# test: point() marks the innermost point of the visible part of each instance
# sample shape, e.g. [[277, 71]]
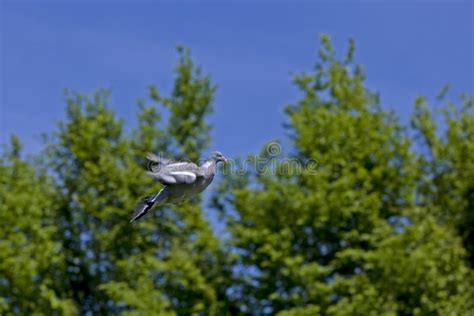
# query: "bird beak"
[[225, 159]]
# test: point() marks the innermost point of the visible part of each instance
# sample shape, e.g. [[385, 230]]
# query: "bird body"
[[181, 181]]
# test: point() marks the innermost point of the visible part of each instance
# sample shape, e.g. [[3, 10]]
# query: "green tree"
[[448, 188], [31, 263], [179, 265], [159, 265], [352, 237], [382, 224]]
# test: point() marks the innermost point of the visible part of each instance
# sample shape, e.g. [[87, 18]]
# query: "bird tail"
[[146, 204]]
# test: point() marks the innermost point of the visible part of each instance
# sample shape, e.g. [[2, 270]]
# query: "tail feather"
[[146, 204]]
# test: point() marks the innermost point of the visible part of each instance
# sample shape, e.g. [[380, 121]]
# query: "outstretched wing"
[[156, 162], [176, 173]]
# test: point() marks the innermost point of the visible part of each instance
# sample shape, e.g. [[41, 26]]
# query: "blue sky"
[[407, 48]]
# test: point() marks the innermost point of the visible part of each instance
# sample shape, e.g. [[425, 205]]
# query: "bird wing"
[[176, 173], [156, 162]]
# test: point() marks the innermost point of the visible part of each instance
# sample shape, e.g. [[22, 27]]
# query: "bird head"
[[218, 157]]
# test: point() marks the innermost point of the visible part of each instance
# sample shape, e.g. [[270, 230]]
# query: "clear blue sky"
[[249, 50]]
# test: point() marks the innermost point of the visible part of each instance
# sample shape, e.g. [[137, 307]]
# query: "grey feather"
[[156, 162], [176, 173]]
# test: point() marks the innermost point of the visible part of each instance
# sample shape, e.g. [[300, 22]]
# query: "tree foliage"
[[32, 265], [365, 234], [382, 226]]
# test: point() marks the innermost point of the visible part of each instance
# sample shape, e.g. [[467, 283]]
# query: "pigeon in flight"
[[181, 180]]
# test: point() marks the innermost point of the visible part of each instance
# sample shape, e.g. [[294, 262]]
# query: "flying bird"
[[181, 180]]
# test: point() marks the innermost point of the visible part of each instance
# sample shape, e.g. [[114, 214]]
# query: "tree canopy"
[[382, 225]]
